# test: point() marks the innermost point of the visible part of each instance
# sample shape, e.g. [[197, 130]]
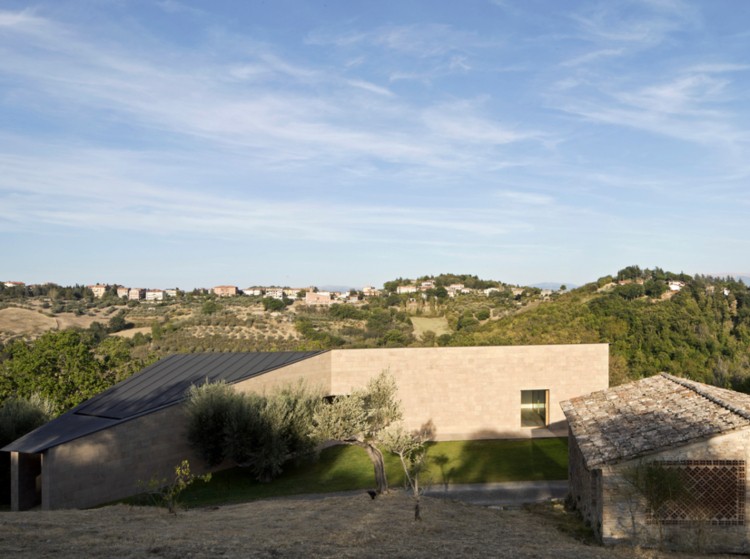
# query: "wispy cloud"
[[371, 87], [640, 23], [422, 40], [593, 56], [254, 109], [689, 107], [175, 7], [68, 192]]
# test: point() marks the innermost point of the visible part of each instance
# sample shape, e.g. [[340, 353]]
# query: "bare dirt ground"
[[334, 526]]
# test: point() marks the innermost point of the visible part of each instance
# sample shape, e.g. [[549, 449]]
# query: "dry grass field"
[[333, 526], [129, 333], [17, 322], [422, 324]]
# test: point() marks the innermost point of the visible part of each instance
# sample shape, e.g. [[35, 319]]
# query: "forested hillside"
[[654, 320], [701, 331]]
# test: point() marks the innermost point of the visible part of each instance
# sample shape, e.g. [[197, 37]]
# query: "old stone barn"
[[662, 461]]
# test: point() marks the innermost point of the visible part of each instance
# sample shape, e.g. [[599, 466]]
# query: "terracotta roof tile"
[[651, 414]]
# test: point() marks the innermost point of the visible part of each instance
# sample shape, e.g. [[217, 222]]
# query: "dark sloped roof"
[[163, 384], [650, 415]]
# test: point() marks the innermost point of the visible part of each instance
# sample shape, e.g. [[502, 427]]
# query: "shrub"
[[168, 493], [208, 407], [19, 416], [256, 432]]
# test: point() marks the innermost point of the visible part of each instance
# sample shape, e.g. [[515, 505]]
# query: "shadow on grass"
[[494, 461], [347, 468]]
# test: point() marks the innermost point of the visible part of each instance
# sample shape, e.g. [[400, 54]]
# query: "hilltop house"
[[99, 290], [318, 298], [99, 451], [700, 433], [225, 290], [136, 293], [154, 295]]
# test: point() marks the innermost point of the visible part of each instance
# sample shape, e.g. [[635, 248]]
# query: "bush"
[[483, 314], [208, 408], [270, 304], [260, 433], [168, 493], [18, 416]]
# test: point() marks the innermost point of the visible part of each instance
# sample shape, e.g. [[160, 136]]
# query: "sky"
[[163, 143]]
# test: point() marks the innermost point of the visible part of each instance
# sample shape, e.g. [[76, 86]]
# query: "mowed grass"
[[346, 468]]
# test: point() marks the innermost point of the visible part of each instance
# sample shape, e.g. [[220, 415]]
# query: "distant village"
[[310, 295]]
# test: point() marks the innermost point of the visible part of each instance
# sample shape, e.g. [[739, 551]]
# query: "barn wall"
[[625, 516], [585, 487]]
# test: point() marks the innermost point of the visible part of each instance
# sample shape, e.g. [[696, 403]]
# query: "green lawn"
[[343, 468]]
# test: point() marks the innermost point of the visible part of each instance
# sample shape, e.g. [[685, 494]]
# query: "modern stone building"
[[99, 451], [698, 434]]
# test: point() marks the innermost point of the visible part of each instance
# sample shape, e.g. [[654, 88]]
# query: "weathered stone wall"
[[625, 515], [585, 487], [108, 465]]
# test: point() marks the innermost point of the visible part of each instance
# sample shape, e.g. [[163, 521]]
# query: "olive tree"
[[411, 449], [360, 419]]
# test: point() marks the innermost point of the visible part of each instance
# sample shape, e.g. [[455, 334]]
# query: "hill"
[[654, 321], [701, 329]]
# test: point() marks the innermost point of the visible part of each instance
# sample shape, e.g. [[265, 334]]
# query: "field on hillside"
[[16, 322], [351, 525], [422, 324]]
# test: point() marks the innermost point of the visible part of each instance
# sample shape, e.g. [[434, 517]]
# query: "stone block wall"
[[108, 465], [314, 371], [475, 392]]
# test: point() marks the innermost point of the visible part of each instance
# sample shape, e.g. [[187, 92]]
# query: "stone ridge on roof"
[[649, 415]]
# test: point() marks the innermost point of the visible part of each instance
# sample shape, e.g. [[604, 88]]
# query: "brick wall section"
[[624, 515], [107, 465]]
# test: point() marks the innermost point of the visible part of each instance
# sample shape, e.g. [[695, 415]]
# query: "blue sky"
[[181, 143]]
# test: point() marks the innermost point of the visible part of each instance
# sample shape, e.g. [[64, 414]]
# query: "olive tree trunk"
[[376, 457]]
